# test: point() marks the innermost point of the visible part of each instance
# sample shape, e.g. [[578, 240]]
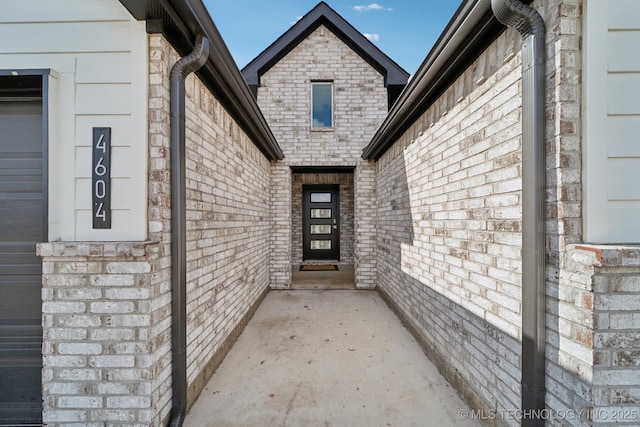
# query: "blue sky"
[[403, 29]]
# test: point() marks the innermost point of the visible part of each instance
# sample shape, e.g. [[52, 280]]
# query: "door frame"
[[334, 189]]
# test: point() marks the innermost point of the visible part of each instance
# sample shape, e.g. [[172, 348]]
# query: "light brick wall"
[[365, 225], [569, 294], [592, 327], [228, 233], [107, 306], [455, 272], [160, 59], [228, 217], [102, 354], [360, 102], [345, 181], [594, 375], [281, 223], [360, 106], [449, 221]]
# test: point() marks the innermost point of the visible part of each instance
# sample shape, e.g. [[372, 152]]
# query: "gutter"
[[531, 27], [469, 28], [181, 69], [221, 73]]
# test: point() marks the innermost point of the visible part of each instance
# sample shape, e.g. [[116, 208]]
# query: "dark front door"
[[320, 221], [22, 225]]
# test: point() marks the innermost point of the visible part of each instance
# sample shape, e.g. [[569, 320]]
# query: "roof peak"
[[322, 13]]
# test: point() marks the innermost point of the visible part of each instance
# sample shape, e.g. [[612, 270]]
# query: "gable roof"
[[395, 77]]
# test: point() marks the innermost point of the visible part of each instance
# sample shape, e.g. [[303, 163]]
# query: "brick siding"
[[281, 223], [360, 106], [592, 327], [102, 352], [365, 225], [228, 233], [594, 337], [449, 222], [107, 306]]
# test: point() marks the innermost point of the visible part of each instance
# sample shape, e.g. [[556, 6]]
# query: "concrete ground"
[[326, 358], [343, 278]]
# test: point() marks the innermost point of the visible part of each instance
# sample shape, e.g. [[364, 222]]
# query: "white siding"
[[612, 121], [98, 54]]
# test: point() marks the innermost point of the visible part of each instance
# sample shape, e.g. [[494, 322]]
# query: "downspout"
[[181, 69], [528, 22]]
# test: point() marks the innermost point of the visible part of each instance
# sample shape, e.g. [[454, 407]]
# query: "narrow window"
[[322, 105]]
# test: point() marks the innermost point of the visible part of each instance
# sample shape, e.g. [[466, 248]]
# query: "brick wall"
[[159, 194], [449, 222], [592, 326], [228, 218], [281, 226], [104, 359], [228, 233], [345, 181], [593, 376], [107, 306], [365, 225], [449, 241], [360, 106], [360, 101], [568, 318]]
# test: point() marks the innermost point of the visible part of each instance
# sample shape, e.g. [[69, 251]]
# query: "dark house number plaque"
[[101, 178]]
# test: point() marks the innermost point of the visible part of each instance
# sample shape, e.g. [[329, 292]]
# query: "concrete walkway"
[[326, 358]]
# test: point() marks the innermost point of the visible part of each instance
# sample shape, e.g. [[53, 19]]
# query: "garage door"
[[22, 225]]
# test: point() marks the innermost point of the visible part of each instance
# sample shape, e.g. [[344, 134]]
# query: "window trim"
[[324, 128]]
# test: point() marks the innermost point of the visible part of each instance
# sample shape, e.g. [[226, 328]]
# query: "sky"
[[403, 29]]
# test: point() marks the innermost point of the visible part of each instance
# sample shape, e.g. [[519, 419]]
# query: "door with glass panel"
[[320, 221]]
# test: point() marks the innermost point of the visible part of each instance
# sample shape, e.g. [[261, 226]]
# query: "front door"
[[320, 221]]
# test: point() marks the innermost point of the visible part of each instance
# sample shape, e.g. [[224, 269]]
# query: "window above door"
[[321, 105]]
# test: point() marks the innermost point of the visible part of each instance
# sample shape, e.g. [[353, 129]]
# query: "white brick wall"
[[365, 225], [228, 233], [591, 330], [360, 105], [449, 240], [360, 101], [593, 336], [98, 364], [281, 222], [107, 306], [448, 222], [228, 216]]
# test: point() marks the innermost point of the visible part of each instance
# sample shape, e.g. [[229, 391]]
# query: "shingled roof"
[[395, 77]]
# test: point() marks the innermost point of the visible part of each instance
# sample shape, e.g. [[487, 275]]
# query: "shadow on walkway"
[[338, 358]]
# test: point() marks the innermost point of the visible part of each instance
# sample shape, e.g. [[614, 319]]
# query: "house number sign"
[[101, 178]]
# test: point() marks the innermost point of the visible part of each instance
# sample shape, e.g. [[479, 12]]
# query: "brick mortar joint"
[[99, 251], [608, 255]]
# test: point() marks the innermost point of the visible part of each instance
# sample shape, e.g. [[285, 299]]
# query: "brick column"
[[280, 276], [593, 337], [104, 352], [365, 225]]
